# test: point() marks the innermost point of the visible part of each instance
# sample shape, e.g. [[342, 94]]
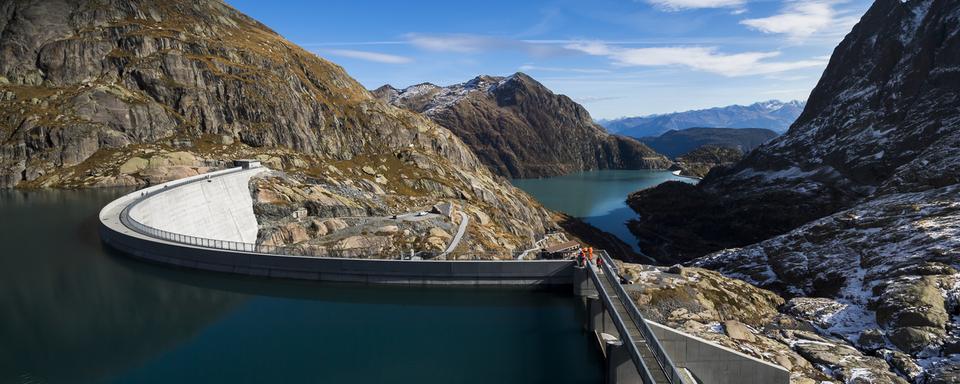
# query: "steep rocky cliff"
[[883, 119], [519, 128], [127, 92], [863, 192], [751, 320]]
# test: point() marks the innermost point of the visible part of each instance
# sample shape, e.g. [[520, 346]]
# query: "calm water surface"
[[72, 312], [597, 197]]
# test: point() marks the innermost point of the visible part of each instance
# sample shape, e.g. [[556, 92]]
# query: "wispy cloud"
[[802, 19], [465, 43], [376, 57], [679, 5], [705, 59], [537, 68], [595, 99]]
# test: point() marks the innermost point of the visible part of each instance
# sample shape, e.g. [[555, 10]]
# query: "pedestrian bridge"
[[206, 222], [637, 350]]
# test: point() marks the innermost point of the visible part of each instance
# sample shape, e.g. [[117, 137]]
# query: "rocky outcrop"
[[885, 273], [135, 92], [856, 205], [883, 119], [748, 319], [519, 128], [699, 162], [334, 215]]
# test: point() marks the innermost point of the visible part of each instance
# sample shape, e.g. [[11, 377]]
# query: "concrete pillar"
[[595, 314], [620, 367], [582, 285], [608, 326]]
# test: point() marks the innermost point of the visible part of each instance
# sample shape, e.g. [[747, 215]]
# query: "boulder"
[[158, 175], [173, 159], [134, 165], [435, 243], [738, 331], [903, 363], [847, 364], [915, 339], [387, 230]]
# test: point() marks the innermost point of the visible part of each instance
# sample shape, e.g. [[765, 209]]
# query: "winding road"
[[464, 221]]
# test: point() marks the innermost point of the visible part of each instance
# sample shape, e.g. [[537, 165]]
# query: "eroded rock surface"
[[753, 321], [519, 128]]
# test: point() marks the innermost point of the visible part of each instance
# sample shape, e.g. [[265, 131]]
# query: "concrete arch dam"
[[207, 222]]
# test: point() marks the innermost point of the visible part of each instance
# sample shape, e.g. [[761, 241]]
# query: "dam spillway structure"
[[207, 222]]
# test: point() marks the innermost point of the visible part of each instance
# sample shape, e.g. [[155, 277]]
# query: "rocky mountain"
[[102, 93], [875, 124], [699, 162], [674, 143], [852, 214], [773, 114], [520, 129], [751, 320]]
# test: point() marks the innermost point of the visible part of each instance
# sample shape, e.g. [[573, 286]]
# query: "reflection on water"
[[72, 312], [597, 197]]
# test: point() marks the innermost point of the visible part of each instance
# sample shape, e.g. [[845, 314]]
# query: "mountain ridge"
[[770, 114], [124, 93], [674, 143], [520, 129], [852, 214]]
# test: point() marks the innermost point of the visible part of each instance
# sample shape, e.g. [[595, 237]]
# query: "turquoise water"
[[597, 197], [74, 312]]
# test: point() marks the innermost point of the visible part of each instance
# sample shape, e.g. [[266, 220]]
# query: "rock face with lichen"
[[853, 215], [521, 129], [883, 119], [753, 321], [96, 93]]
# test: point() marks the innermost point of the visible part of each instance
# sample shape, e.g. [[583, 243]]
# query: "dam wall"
[[711, 363], [218, 207]]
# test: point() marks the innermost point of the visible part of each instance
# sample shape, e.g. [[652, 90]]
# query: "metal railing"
[[621, 326], [666, 364]]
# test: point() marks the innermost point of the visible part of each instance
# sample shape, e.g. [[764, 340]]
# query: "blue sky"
[[617, 58]]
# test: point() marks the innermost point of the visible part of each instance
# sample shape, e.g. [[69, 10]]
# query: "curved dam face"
[[218, 208], [215, 212]]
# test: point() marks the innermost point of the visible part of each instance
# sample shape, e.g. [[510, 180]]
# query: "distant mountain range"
[[772, 114], [675, 143]]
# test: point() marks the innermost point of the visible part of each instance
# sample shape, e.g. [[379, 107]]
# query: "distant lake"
[[73, 312], [597, 197]]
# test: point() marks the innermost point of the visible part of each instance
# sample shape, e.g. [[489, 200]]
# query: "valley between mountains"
[[830, 249]]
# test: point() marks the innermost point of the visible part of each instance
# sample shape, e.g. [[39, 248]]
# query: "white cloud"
[[453, 43], [463, 43], [802, 19], [595, 99], [705, 59], [537, 68], [371, 56], [678, 5]]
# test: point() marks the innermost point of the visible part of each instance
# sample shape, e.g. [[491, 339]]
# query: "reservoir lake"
[[597, 197], [72, 311]]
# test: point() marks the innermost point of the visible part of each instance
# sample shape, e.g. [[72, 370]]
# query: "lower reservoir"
[[72, 311], [597, 197]]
